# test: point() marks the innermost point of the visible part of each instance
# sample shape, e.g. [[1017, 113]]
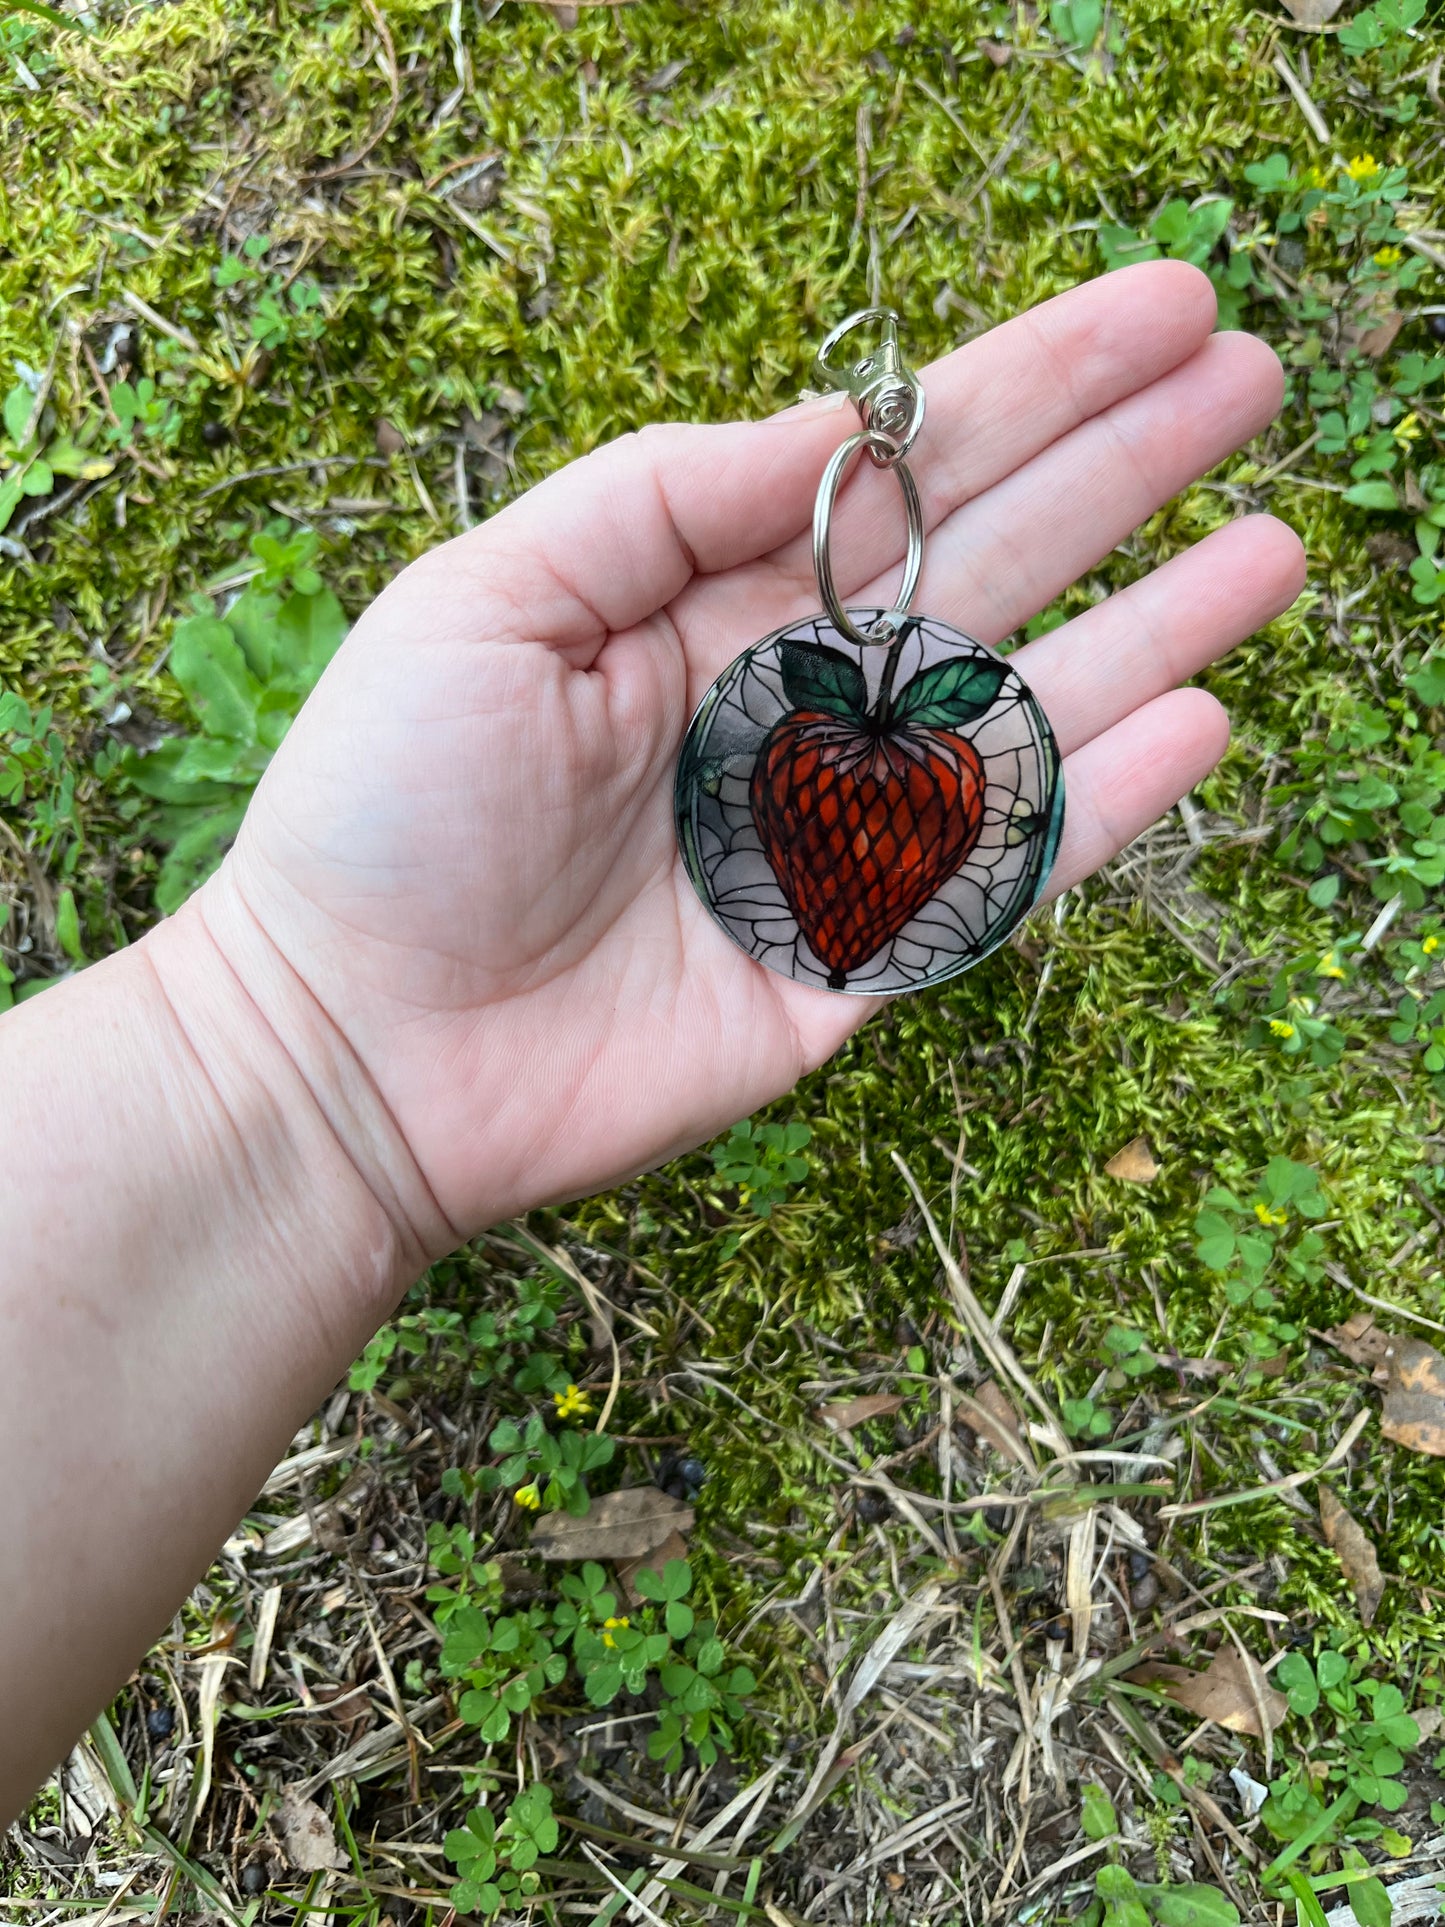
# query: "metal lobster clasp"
[[887, 393]]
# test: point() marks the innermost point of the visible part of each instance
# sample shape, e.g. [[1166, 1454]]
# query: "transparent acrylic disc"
[[869, 819]]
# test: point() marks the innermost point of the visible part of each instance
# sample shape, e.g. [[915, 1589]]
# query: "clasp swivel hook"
[[887, 393]]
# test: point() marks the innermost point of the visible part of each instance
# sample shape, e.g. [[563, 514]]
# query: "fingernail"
[[816, 405]]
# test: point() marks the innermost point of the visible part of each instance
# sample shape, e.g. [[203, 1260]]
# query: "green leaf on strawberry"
[[951, 693], [819, 678]]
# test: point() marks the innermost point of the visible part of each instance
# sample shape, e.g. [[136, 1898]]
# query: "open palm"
[[464, 858]]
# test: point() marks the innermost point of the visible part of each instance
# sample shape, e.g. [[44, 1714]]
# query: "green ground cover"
[[289, 294]]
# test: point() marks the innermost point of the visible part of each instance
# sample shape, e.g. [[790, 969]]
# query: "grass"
[[381, 268]]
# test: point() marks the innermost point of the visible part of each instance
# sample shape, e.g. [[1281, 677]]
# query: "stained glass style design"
[[873, 820]]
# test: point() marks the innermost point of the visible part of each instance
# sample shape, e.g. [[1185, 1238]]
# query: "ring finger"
[[1092, 672]]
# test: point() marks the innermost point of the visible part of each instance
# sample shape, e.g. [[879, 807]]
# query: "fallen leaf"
[[620, 1525], [995, 52], [996, 1401], [1414, 1409], [1378, 337], [389, 438], [1277, 1366], [1357, 1557], [1230, 1691], [306, 1835], [349, 1706], [1312, 13], [674, 1546], [1134, 1164], [990, 1414], [1362, 1341], [857, 1411]]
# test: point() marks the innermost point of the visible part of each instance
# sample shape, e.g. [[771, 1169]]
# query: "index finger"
[[612, 538]]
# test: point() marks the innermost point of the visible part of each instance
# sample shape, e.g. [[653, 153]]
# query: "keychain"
[[869, 800]]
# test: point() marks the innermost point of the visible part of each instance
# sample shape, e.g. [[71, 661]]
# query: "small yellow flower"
[[1408, 428], [1280, 1027], [1266, 1216], [1329, 966], [1430, 946], [573, 1402], [608, 1627], [1316, 177], [1362, 167], [529, 1497], [1388, 257]]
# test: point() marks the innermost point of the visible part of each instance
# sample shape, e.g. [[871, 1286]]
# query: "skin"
[[453, 967]]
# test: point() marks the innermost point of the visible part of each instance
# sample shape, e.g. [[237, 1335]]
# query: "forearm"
[[200, 1225]]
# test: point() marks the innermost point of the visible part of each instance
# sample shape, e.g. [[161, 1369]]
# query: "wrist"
[[204, 1220], [318, 1174]]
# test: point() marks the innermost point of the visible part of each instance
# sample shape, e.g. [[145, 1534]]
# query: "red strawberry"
[[863, 817]]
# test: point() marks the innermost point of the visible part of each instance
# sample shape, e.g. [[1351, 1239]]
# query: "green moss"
[[680, 215]]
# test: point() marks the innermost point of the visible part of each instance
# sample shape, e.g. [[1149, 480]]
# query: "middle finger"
[[1003, 556]]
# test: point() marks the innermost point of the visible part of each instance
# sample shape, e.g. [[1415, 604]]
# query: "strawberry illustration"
[[864, 815]]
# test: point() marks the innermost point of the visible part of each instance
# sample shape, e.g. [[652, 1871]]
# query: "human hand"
[[461, 866]]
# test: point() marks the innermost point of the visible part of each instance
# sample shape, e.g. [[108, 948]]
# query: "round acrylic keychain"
[[869, 800]]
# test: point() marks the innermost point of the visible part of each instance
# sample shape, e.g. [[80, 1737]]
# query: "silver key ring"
[[885, 629]]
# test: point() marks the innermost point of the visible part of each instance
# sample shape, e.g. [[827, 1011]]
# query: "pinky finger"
[[1128, 777]]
